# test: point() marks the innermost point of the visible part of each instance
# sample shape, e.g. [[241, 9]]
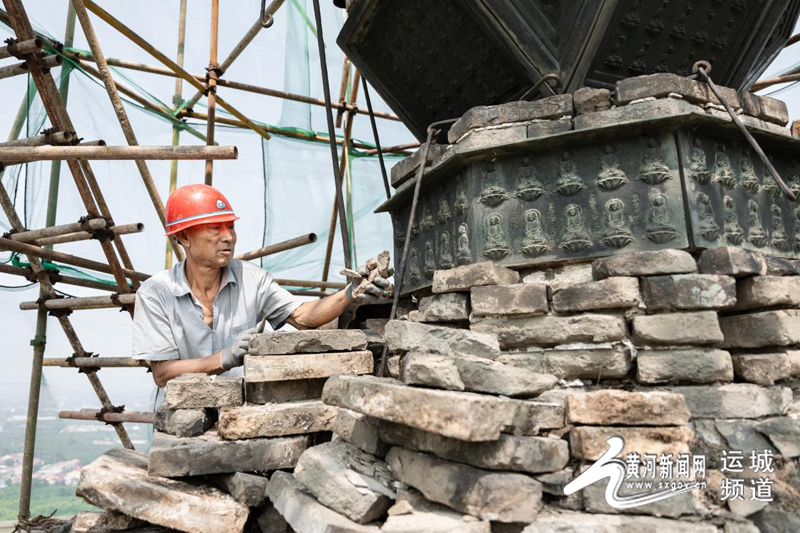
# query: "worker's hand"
[[233, 356], [362, 291]]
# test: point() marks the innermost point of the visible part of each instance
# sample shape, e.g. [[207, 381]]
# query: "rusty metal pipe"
[[54, 138], [16, 155], [99, 362], [279, 247], [24, 68], [22, 47], [135, 417], [312, 284], [55, 231], [124, 229], [89, 302]]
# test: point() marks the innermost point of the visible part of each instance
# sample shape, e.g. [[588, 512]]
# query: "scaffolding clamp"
[[213, 72], [105, 410]]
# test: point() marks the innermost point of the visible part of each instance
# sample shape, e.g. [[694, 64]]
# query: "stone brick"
[[119, 481], [794, 362], [712, 437], [208, 454], [473, 374], [764, 108], [532, 417], [767, 291], [501, 497], [658, 263], [588, 100], [451, 307], [579, 363], [434, 522], [275, 420], [513, 453], [732, 261], [521, 299], [550, 108], [463, 278], [271, 521], [611, 293], [588, 443], [183, 422], [777, 518], [247, 489], [697, 365], [687, 503], [102, 522], [196, 391], [646, 111], [571, 522], [796, 129], [561, 276], [758, 330], [784, 432], [617, 407], [689, 292], [460, 415], [284, 391], [662, 85], [259, 369], [403, 336], [408, 167], [359, 430], [777, 266], [307, 341], [347, 480], [763, 368], [553, 330], [735, 400], [546, 129], [304, 513], [701, 327]]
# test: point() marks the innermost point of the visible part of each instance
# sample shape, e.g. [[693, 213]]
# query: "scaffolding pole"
[[211, 87], [177, 100], [12, 155]]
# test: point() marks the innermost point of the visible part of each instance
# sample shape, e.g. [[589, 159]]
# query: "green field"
[[45, 499]]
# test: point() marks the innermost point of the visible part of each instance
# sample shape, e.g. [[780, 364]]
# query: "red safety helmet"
[[191, 205]]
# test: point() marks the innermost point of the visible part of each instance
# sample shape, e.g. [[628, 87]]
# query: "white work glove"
[[372, 292], [233, 356]]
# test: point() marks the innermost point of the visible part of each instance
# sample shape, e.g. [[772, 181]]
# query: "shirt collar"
[[182, 285]]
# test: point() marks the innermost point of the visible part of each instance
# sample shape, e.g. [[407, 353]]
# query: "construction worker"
[[199, 315]]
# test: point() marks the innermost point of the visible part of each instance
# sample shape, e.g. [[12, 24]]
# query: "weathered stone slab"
[[686, 503], [689, 292], [664, 84], [513, 453], [762, 368], [732, 261], [645, 111], [103, 522], [408, 167], [570, 522], [697, 365], [794, 361], [304, 513], [580, 363], [403, 336], [735, 400], [284, 391], [701, 327], [777, 518], [777, 266], [118, 481], [617, 407], [196, 391], [460, 415], [758, 330], [361, 431], [434, 522], [764, 108], [347, 480], [275, 420], [463, 278], [473, 374], [501, 497], [307, 341], [784, 432], [534, 416], [767, 291], [712, 437], [208, 454], [658, 263], [450, 307], [553, 330], [550, 108], [588, 443], [561, 276], [588, 100], [521, 299], [258, 369], [248, 489], [183, 422], [611, 293]]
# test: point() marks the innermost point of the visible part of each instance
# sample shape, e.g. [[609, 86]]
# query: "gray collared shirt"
[[168, 321]]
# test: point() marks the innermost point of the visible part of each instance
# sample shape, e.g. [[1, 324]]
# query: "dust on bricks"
[[196, 391], [616, 407]]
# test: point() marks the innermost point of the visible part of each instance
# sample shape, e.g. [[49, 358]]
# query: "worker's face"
[[210, 244]]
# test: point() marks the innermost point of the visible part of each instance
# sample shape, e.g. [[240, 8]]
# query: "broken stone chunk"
[[588, 443], [553, 330], [560, 277], [758, 330], [196, 391], [307, 341], [701, 327], [284, 391], [735, 400], [611, 293], [258, 369], [119, 481], [658, 263], [767, 291], [359, 430], [463, 278], [764, 108], [616, 407], [663, 84], [732, 261], [571, 522], [275, 420], [696, 365], [784, 432], [501, 497], [248, 489], [521, 299], [103, 522], [762, 368], [403, 336], [451, 307], [588, 100], [184, 422], [689, 292], [408, 167], [347, 480]]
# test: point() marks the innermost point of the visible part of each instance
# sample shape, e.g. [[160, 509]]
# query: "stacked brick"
[[218, 439]]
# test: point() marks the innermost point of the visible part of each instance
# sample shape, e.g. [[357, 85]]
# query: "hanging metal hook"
[[268, 21], [545, 79]]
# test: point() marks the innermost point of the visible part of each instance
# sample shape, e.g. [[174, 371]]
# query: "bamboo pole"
[[768, 82], [315, 294], [89, 302], [793, 39], [22, 47], [343, 89], [311, 284], [55, 231], [394, 149], [296, 242], [211, 87], [27, 273], [19, 69], [97, 362], [51, 255], [23, 154], [130, 34], [124, 229], [135, 417], [55, 137]]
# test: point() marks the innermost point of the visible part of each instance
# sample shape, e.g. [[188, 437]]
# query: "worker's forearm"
[[163, 371], [317, 313]]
